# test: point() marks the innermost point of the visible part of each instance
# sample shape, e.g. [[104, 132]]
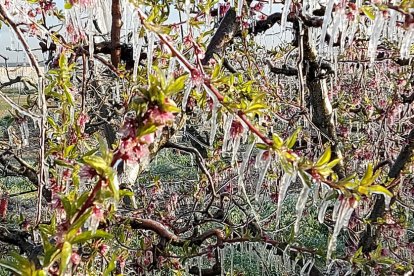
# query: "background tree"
[[270, 127]]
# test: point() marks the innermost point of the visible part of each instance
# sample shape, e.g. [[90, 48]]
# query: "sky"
[[7, 39]]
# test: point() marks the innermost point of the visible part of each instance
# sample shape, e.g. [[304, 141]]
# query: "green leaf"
[[177, 85], [350, 185], [262, 146], [111, 266], [277, 141], [216, 71], [368, 179], [146, 129], [333, 163], [67, 206], [68, 150], [65, 255], [68, 5], [63, 61], [50, 255], [88, 235], [290, 142], [254, 107], [114, 185], [378, 189], [98, 163], [73, 230], [368, 11], [326, 156]]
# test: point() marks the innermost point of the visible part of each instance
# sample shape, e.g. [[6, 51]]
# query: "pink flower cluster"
[[83, 3], [82, 120], [236, 129], [134, 148], [159, 117], [223, 8]]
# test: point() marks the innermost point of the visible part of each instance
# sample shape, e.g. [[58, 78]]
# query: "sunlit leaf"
[[326, 156], [65, 254]]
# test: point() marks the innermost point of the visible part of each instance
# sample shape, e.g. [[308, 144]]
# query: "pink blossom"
[[197, 77], [128, 130], [159, 117], [131, 150], [223, 8], [75, 258], [262, 17], [98, 213], [87, 172], [83, 3], [188, 41], [103, 249], [258, 6], [245, 24], [82, 120], [236, 129], [147, 139], [198, 51]]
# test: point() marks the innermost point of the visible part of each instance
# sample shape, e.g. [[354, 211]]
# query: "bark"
[[368, 241], [23, 169], [116, 33], [20, 239], [224, 34], [319, 99]]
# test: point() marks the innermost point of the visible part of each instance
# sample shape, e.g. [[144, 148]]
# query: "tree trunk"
[[116, 33]]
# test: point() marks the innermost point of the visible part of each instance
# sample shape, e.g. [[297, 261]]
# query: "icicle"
[[187, 8], [137, 42], [231, 259], [24, 131], [213, 122], [185, 97], [227, 126], [171, 67], [262, 174], [285, 13], [116, 93], [307, 266], [258, 159], [91, 45], [336, 209], [199, 265], [387, 201], [236, 145], [347, 206], [322, 211], [286, 259], [221, 260], [392, 23], [335, 31], [71, 114], [239, 7], [246, 158], [406, 44], [150, 52], [375, 36], [301, 204], [326, 21], [285, 182]]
